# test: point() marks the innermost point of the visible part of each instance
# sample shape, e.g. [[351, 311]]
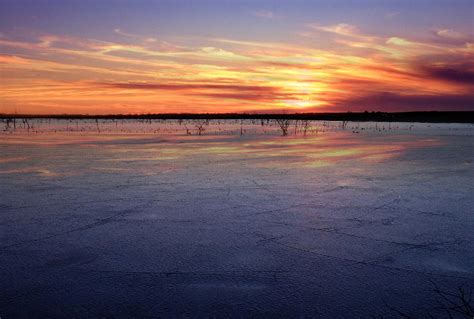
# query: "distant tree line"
[[425, 117]]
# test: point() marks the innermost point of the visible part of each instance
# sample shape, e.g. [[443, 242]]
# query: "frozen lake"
[[130, 219]]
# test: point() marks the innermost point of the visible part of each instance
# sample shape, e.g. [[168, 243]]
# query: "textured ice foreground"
[[151, 222]]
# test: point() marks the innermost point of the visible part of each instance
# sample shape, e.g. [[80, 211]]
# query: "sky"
[[219, 56]]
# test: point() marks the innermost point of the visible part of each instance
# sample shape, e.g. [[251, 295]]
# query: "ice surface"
[[143, 220]]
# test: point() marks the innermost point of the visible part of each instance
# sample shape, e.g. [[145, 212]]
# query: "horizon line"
[[366, 116]]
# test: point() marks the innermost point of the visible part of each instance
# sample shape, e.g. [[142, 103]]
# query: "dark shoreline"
[[423, 117]]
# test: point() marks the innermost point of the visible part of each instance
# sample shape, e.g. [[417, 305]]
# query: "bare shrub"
[[452, 304], [201, 126], [25, 122], [188, 132], [284, 125], [344, 124], [7, 125], [306, 126], [97, 124], [459, 302]]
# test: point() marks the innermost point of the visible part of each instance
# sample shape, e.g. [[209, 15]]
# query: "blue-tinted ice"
[[144, 220]]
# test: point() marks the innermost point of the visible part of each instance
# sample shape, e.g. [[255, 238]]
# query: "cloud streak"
[[462, 73], [264, 14], [392, 102]]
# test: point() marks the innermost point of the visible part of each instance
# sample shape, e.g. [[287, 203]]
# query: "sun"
[[305, 94]]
